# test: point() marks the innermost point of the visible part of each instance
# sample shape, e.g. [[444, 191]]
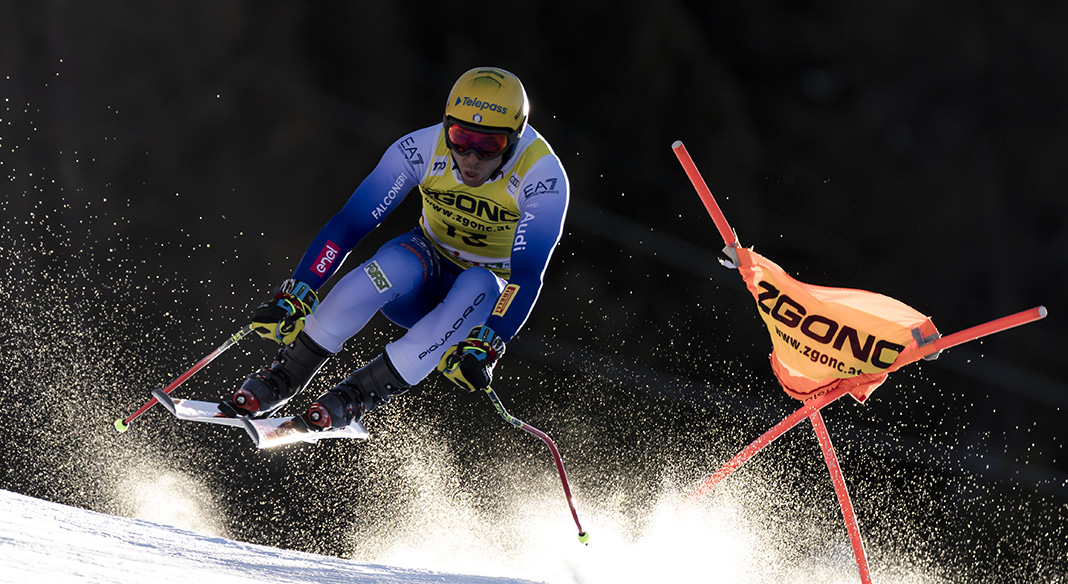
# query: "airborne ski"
[[265, 432], [194, 411], [271, 432]]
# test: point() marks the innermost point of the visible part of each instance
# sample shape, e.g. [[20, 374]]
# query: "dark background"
[[165, 164]]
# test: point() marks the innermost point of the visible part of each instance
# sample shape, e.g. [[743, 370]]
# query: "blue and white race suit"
[[477, 257]]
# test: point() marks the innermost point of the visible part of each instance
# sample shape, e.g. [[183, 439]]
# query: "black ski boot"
[[268, 389], [367, 388]]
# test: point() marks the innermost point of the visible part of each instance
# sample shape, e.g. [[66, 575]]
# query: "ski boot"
[[271, 387], [367, 388]]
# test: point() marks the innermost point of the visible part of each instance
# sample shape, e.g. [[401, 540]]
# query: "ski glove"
[[469, 364], [281, 318]]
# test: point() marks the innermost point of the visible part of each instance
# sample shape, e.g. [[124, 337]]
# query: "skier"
[[494, 197]]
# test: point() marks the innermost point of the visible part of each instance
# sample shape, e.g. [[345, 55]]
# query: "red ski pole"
[[123, 424], [582, 535]]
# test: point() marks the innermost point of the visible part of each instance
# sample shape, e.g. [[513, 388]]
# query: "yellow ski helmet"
[[491, 99]]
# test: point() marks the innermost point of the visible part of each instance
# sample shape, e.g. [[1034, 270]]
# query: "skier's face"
[[474, 171]]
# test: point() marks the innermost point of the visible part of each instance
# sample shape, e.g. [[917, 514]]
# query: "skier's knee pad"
[[481, 279]]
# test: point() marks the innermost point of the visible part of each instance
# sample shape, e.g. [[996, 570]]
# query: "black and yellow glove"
[[470, 363], [281, 318]]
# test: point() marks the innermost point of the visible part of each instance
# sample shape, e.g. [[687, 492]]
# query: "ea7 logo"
[[377, 276], [411, 152], [543, 186], [825, 330]]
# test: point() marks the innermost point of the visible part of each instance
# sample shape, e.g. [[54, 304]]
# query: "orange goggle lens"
[[485, 145]]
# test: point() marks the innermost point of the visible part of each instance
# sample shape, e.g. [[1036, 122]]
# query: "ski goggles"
[[485, 145]]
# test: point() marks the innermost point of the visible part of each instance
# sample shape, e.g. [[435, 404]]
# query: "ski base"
[[272, 432]]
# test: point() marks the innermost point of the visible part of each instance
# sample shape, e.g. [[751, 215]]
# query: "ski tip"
[[251, 430], [121, 426], [164, 398], [584, 537]]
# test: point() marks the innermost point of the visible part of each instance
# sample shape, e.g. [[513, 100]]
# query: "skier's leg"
[[272, 386], [398, 269], [411, 358], [468, 304], [393, 272]]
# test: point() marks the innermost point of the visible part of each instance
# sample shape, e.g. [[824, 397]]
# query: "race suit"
[[477, 257]]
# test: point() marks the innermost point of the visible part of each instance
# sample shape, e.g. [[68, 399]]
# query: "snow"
[[41, 541], [47, 542]]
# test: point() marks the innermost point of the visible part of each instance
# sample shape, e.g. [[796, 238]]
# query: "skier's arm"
[[543, 200], [382, 191], [281, 318]]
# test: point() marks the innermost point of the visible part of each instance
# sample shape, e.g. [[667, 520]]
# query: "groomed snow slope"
[[47, 542]]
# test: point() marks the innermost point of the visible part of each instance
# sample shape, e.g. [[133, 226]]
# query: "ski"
[[272, 432], [265, 432], [195, 411]]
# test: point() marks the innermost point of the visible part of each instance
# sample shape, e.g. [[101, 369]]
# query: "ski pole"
[[583, 537], [122, 424]]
